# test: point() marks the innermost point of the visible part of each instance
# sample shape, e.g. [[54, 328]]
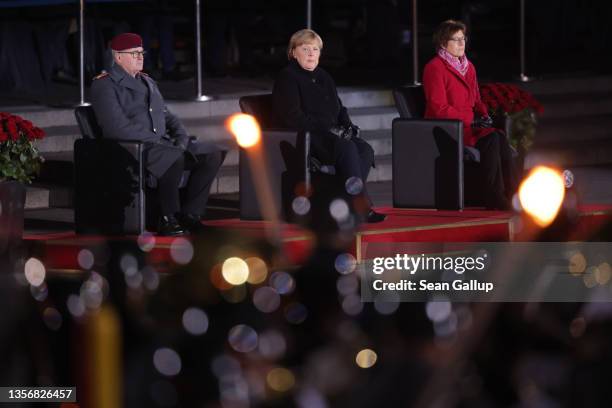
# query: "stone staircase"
[[370, 109], [576, 127]]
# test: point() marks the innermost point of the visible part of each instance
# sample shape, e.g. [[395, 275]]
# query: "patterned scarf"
[[460, 64]]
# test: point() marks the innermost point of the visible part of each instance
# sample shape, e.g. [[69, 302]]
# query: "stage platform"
[[60, 251]]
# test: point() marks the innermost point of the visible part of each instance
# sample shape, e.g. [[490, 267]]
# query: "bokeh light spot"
[[34, 272], [235, 271], [438, 309], [85, 258], [146, 241], [258, 270], [296, 313], [167, 361], [245, 129], [541, 194], [181, 251], [300, 205], [195, 321], [603, 273], [128, 264], [339, 210], [243, 338], [282, 282], [366, 358], [353, 185], [266, 299], [75, 305], [272, 344], [345, 263], [280, 379], [577, 263]]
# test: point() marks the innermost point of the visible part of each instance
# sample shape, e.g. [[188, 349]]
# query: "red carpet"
[[59, 251]]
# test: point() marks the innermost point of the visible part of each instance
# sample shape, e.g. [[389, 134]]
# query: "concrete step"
[[573, 129], [576, 104], [571, 154], [212, 128], [36, 197], [46, 117], [551, 86]]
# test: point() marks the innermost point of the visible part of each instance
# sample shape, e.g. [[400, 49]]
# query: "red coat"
[[449, 95]]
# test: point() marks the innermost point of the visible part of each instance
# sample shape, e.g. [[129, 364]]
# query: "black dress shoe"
[[169, 226], [374, 217], [192, 223]]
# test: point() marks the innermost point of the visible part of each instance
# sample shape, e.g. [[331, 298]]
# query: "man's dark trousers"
[[203, 171]]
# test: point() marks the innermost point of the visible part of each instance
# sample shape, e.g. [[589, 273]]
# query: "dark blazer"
[[450, 95], [132, 109], [308, 101]]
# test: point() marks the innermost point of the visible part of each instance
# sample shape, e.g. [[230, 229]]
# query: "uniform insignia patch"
[[102, 75]]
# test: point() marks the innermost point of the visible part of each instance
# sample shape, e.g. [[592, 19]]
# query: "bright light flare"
[[235, 271], [541, 195], [245, 129]]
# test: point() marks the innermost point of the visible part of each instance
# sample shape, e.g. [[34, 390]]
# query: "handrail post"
[[198, 28]]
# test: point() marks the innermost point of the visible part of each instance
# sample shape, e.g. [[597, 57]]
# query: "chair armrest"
[[285, 158]]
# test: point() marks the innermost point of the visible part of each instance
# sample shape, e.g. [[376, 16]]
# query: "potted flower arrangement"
[[19, 163], [519, 106], [19, 158]]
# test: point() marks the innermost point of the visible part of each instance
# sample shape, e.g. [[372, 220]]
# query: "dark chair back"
[[410, 101], [261, 107], [427, 163], [86, 118]]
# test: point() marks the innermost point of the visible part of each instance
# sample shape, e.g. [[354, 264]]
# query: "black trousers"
[[203, 169], [498, 169], [351, 158]]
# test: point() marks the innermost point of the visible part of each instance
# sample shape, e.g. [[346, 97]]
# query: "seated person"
[[129, 106], [305, 98], [451, 92]]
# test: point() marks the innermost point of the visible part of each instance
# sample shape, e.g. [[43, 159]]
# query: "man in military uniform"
[[129, 106]]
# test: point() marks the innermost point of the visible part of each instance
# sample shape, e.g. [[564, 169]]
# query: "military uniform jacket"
[[132, 109]]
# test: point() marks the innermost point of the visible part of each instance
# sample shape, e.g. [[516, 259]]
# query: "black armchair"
[[286, 153], [429, 158], [448, 172], [113, 194]]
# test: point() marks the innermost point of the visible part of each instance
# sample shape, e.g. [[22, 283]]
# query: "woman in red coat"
[[451, 92]]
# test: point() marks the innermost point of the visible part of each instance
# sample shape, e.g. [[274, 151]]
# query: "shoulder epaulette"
[[102, 75]]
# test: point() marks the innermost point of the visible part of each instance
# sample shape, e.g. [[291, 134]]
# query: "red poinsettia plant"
[[19, 157], [519, 105]]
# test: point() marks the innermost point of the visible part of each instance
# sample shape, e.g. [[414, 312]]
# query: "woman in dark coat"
[[306, 99], [451, 92]]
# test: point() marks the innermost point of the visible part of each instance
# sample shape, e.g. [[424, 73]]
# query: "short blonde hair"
[[302, 37]]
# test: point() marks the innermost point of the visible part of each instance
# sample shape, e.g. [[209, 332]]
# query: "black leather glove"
[[182, 142], [355, 131], [482, 122], [341, 132]]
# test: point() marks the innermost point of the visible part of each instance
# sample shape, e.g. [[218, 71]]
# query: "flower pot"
[[12, 202]]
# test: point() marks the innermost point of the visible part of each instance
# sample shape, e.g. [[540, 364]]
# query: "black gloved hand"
[[355, 131], [341, 132], [182, 142], [482, 122]]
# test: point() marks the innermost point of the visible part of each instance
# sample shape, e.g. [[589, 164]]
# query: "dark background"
[[365, 41]]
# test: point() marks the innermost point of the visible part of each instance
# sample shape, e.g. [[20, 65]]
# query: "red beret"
[[126, 41]]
